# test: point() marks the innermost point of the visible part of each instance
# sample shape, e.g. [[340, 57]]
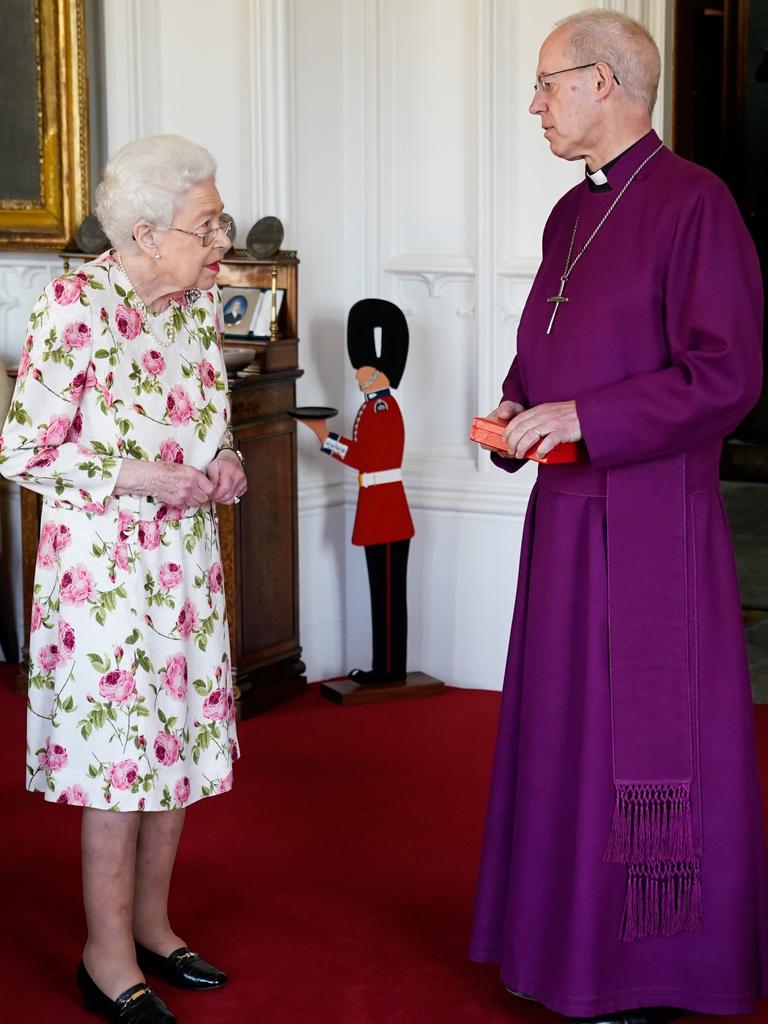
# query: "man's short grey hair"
[[147, 180], [624, 44]]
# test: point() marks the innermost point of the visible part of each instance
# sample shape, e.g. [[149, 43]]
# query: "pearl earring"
[[157, 255]]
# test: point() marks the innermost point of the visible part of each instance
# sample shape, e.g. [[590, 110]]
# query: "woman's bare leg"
[[159, 836], [109, 864]]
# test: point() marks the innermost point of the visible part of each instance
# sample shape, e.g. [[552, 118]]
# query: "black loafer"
[[137, 1005], [645, 1015], [181, 968]]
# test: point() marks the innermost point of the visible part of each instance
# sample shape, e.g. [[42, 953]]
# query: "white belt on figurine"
[[384, 476]]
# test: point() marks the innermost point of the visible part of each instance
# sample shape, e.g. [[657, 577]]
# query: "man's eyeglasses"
[[225, 225], [541, 85]]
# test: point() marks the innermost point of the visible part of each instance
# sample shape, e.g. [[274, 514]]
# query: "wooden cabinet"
[[259, 536], [259, 540]]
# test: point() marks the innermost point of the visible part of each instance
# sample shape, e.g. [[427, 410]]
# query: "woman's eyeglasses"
[[226, 225]]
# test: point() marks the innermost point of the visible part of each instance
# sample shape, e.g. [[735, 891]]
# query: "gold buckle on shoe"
[[137, 995]]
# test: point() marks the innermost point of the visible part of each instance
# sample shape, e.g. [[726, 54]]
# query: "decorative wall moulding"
[[434, 272], [431, 263], [21, 281], [511, 312], [44, 189], [501, 505], [272, 141], [315, 497], [523, 267], [133, 93], [469, 495], [435, 483]]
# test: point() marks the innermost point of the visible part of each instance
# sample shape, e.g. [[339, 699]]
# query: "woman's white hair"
[[624, 44], [147, 180]]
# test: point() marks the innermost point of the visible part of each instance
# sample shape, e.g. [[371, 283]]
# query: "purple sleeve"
[[712, 311], [512, 390]]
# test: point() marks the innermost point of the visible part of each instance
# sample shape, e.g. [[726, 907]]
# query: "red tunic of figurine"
[[376, 447]]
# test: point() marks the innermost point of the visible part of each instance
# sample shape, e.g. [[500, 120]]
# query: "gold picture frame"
[[44, 183]]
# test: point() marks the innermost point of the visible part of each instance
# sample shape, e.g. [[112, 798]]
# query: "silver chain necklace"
[[568, 269]]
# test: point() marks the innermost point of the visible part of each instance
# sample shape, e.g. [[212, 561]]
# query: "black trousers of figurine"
[[387, 574]]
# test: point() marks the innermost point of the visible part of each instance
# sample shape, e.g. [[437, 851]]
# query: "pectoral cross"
[[557, 299]]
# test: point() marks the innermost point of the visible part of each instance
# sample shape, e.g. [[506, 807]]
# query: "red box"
[[491, 434]]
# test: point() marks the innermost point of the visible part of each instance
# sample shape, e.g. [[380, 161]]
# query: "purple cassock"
[[623, 862]]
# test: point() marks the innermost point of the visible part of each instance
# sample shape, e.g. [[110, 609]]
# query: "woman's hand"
[[182, 486], [552, 423], [228, 478], [503, 413]]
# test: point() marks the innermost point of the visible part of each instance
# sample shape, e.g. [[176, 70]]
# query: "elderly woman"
[[120, 420]]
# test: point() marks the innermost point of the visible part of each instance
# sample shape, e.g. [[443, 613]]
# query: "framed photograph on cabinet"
[[247, 312], [44, 187], [238, 309]]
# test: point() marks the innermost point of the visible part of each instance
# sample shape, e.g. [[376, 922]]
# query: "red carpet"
[[335, 883]]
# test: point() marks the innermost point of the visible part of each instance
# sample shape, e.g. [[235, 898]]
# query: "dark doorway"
[[720, 120]]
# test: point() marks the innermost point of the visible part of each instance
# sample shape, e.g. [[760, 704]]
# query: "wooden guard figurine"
[[383, 524]]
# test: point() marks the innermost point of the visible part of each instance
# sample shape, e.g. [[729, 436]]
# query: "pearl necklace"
[[142, 309], [145, 313]]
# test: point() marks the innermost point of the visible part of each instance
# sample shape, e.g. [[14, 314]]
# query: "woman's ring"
[[541, 436]]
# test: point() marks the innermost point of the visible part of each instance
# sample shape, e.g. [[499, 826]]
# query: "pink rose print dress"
[[130, 695]]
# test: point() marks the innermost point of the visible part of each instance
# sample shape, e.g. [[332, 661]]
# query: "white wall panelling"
[[132, 56], [458, 183], [272, 117], [224, 81], [430, 224], [22, 278], [392, 138]]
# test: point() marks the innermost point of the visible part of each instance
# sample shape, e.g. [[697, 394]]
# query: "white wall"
[[392, 138], [447, 184]]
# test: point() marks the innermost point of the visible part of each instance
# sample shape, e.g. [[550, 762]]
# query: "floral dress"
[[130, 696]]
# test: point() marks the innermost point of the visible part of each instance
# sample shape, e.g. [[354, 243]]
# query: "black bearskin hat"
[[364, 316]]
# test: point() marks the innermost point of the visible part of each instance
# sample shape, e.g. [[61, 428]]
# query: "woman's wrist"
[[235, 451], [134, 477]]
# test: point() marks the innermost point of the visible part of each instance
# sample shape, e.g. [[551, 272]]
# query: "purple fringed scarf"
[[651, 699]]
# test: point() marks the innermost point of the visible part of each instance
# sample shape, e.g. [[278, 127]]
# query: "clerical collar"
[[376, 394], [597, 181]]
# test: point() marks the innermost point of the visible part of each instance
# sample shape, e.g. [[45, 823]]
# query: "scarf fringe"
[[663, 899], [652, 833], [652, 822]]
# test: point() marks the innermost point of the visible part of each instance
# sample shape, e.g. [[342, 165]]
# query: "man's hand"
[[552, 423], [503, 413], [228, 478]]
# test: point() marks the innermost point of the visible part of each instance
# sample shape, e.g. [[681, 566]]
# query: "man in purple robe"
[[623, 871]]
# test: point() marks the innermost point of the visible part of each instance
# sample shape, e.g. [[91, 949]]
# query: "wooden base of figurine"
[[415, 684]]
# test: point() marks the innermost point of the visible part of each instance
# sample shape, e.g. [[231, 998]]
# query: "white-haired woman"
[[120, 419]]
